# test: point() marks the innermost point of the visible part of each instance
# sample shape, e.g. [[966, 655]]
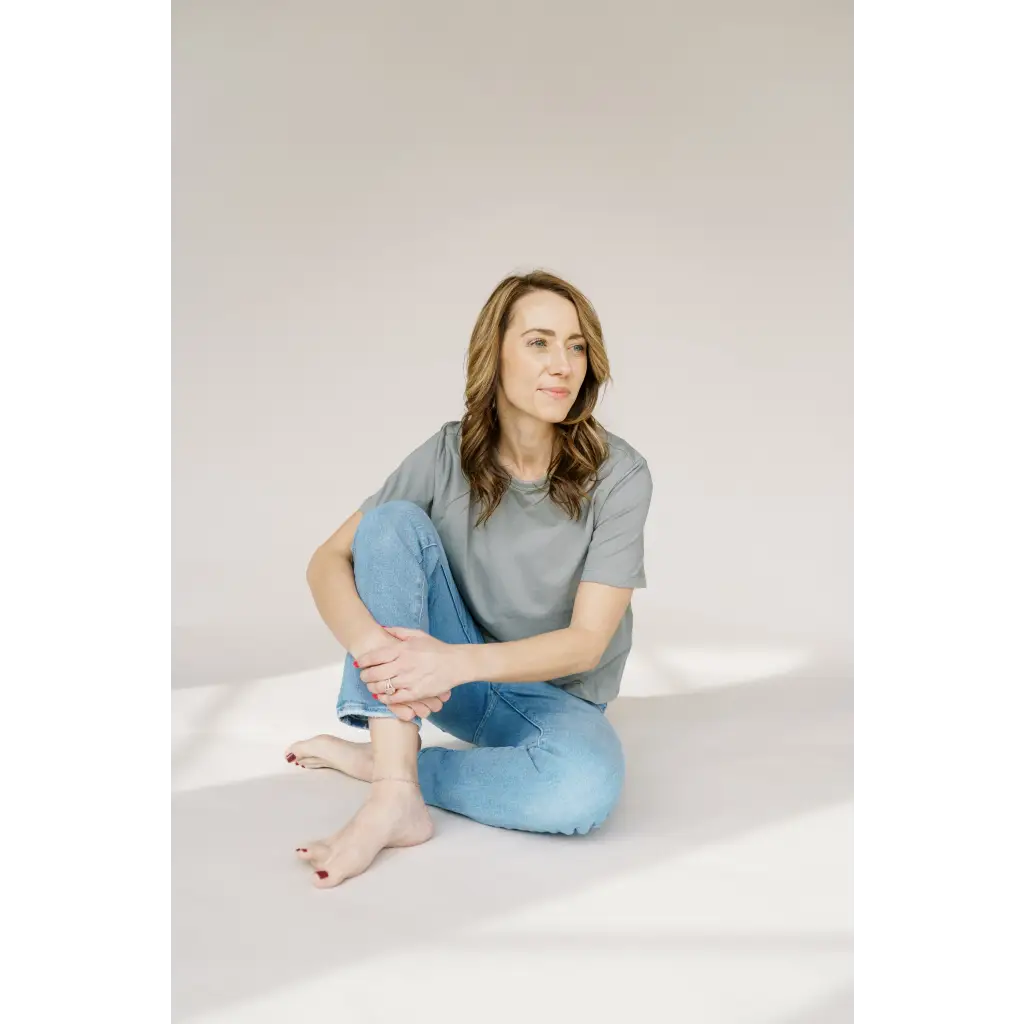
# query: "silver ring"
[[389, 688]]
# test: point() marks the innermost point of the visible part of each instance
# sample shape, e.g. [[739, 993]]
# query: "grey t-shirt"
[[519, 571]]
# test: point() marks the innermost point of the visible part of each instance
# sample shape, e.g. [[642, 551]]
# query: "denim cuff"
[[358, 714]]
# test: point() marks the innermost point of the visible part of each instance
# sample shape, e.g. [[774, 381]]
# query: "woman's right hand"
[[406, 712]]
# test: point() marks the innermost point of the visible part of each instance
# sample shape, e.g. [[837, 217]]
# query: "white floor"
[[718, 891]]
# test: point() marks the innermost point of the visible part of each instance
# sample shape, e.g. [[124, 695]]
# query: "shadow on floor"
[[239, 652], [701, 768]]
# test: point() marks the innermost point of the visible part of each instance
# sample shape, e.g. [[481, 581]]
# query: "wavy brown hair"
[[579, 448]]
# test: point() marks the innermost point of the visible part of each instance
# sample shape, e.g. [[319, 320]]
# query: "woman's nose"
[[559, 361]]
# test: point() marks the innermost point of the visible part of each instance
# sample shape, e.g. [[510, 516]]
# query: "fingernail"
[[290, 757], [375, 697], [356, 663], [321, 874]]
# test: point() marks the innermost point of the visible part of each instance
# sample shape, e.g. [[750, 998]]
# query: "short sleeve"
[[616, 552], [413, 479]]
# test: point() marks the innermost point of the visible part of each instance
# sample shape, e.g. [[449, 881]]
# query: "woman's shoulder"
[[448, 451], [624, 480], [442, 438], [450, 437], [623, 460], [434, 451], [435, 458]]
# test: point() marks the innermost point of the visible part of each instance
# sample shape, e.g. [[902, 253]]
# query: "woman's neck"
[[525, 446]]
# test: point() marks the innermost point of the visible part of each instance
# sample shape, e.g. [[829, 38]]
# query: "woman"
[[488, 584]]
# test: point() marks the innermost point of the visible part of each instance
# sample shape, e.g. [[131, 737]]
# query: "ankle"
[[387, 766], [403, 793]]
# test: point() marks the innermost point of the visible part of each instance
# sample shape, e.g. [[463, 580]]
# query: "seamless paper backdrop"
[[351, 181]]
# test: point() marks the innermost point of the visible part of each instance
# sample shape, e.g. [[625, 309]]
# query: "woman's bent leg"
[[403, 578], [400, 566], [548, 762]]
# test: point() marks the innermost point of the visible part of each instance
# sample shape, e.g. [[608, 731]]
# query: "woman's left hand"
[[422, 667]]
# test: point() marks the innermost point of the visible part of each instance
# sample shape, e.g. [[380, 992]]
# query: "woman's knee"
[[580, 792], [390, 515], [391, 525]]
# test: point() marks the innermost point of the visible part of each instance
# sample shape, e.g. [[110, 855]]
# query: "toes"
[[313, 853], [296, 752], [295, 756], [323, 880]]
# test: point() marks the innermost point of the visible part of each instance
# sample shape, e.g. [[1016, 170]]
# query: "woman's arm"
[[427, 666], [332, 581], [538, 659]]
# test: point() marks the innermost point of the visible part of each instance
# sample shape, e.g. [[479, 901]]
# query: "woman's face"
[[543, 357]]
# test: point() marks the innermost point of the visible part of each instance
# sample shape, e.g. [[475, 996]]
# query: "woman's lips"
[[556, 392]]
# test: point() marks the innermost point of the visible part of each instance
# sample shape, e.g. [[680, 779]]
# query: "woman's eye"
[[542, 341]]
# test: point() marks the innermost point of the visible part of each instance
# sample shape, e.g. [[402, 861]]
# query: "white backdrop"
[[351, 181]]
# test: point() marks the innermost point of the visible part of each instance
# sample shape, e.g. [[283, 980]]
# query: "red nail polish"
[[356, 663], [375, 697], [321, 874], [301, 849], [290, 757]]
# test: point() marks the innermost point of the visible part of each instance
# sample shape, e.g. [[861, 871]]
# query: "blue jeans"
[[543, 760]]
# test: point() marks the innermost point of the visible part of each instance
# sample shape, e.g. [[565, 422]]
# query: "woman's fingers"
[[384, 654], [408, 709], [376, 678], [400, 696]]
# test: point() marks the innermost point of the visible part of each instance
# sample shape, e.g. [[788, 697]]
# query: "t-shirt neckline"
[[527, 485]]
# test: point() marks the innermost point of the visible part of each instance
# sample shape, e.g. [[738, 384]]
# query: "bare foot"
[[355, 759], [393, 815]]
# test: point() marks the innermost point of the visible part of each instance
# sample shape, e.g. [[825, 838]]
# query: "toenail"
[[290, 757], [321, 874]]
